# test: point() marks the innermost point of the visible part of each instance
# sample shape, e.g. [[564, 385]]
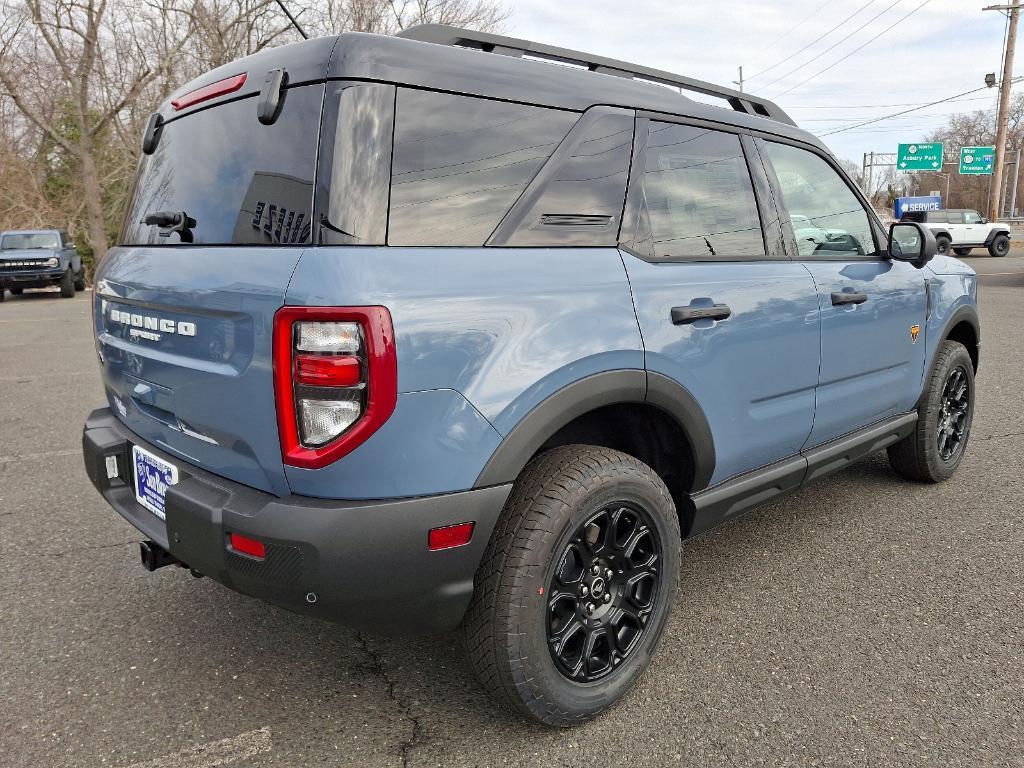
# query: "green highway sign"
[[919, 157], [977, 161]]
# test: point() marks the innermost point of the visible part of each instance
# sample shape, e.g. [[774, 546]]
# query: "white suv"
[[962, 229]]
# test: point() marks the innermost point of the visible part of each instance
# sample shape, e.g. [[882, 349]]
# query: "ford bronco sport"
[[422, 332], [961, 230], [38, 259]]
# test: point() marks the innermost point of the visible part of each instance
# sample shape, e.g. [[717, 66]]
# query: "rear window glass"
[[459, 164], [241, 181], [17, 241]]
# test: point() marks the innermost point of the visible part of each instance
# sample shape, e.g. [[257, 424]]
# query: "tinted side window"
[[459, 164], [243, 182], [357, 161], [700, 199], [827, 217], [972, 217], [938, 217], [577, 198]]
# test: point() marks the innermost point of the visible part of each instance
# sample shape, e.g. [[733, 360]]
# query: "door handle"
[[686, 315], [842, 297]]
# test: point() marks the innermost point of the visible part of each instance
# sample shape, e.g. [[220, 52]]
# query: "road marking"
[[991, 274], [214, 753], [30, 456]]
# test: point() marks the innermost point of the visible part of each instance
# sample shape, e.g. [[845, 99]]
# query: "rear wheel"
[[934, 450], [1000, 245], [80, 280], [942, 244], [67, 285], [17, 291], [573, 592], [962, 251]]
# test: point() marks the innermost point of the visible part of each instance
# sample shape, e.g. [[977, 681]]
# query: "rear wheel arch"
[[646, 415]]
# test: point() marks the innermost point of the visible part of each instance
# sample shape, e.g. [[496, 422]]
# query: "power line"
[[788, 32], [912, 109], [815, 41], [835, 45], [858, 48]]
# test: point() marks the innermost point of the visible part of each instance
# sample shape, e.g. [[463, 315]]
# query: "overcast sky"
[[944, 48]]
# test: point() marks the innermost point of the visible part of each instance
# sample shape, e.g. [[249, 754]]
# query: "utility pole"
[[740, 81], [995, 202]]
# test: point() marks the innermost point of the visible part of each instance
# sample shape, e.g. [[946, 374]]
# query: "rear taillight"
[[335, 380]]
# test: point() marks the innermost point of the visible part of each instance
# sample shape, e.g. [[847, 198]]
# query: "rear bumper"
[[364, 563]]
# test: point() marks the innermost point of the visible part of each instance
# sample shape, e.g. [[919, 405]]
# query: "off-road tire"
[[1000, 246], [17, 291], [942, 245], [961, 252], [2, 291], [505, 630], [917, 456], [67, 285], [80, 280]]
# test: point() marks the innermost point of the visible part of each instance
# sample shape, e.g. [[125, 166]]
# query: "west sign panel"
[[919, 157], [977, 161]]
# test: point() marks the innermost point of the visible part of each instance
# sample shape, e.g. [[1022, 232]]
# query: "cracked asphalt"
[[861, 621]]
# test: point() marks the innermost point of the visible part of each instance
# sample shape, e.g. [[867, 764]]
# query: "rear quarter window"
[[243, 182], [459, 163]]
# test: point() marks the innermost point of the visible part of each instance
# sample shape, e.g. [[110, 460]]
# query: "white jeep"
[[962, 229]]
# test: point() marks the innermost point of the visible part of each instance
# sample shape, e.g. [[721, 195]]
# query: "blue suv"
[[420, 333]]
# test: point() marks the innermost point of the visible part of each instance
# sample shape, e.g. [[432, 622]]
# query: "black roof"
[[472, 63]]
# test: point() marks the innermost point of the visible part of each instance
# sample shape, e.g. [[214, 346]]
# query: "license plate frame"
[[153, 476]]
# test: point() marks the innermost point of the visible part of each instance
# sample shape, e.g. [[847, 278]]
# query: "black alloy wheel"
[[602, 591], [955, 405]]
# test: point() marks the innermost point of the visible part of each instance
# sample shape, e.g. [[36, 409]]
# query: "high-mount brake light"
[[335, 380], [207, 92]]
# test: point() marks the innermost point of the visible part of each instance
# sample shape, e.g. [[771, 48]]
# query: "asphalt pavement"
[[861, 621]]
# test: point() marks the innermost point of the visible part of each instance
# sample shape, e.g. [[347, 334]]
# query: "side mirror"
[[912, 242], [984, 220]]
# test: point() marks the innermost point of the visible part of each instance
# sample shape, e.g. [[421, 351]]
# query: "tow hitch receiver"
[[154, 556]]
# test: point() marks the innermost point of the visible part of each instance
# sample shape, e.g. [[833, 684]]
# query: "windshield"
[[20, 241]]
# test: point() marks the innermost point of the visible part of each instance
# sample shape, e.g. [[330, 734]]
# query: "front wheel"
[[1000, 245], [933, 451], [942, 244], [80, 280], [67, 285], [573, 592]]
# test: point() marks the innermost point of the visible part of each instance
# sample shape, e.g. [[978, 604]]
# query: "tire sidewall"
[[528, 628], [995, 250], [940, 468]]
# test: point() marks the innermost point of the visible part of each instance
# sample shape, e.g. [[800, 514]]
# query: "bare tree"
[[71, 68]]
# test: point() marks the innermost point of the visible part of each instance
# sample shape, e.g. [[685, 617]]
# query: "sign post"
[[977, 161], [919, 157]]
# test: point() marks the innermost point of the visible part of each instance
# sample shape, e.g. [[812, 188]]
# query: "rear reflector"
[[247, 546], [449, 536], [319, 371], [211, 91]]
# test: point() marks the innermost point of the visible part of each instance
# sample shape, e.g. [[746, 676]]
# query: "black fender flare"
[[968, 314], [995, 233], [596, 391]]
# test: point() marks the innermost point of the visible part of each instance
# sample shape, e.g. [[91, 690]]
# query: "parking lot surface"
[[861, 621]]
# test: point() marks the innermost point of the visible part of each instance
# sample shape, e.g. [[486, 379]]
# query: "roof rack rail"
[[510, 46]]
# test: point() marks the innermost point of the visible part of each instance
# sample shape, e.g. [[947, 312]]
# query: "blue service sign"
[[919, 203]]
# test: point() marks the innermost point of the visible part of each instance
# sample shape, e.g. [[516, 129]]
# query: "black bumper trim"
[[362, 563]]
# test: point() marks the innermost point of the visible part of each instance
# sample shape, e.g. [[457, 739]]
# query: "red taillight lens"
[[247, 546], [211, 91], [322, 371], [335, 380], [449, 536]]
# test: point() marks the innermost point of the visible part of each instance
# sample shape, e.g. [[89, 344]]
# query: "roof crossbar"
[[510, 46]]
